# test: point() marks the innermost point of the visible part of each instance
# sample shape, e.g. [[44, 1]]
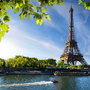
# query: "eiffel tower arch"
[[71, 52]]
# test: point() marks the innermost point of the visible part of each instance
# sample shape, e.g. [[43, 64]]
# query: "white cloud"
[[19, 42], [44, 44], [47, 44], [87, 53], [48, 23], [63, 10], [51, 24], [86, 15]]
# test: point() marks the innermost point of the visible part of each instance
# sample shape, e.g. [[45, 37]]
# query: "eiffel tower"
[[71, 52]]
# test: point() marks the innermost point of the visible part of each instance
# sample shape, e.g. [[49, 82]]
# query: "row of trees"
[[62, 64], [22, 62]]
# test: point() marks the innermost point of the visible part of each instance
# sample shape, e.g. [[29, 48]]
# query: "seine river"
[[43, 82]]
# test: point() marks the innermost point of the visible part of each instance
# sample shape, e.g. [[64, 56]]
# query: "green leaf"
[[41, 21], [35, 7], [6, 18], [28, 17], [17, 5], [5, 27], [16, 10], [23, 1], [43, 11], [2, 34], [37, 21], [89, 7], [80, 2], [47, 17], [0, 25], [21, 4], [45, 8], [21, 16]]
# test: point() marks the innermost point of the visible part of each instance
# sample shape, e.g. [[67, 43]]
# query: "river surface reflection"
[[43, 82]]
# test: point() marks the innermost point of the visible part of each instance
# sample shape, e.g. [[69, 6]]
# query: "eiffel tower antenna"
[[71, 52], [71, 5]]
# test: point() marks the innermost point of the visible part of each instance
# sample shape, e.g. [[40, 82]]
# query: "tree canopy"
[[62, 64], [27, 8], [23, 62], [80, 66], [1, 63]]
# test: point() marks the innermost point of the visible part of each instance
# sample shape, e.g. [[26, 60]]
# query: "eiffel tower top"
[[71, 35], [71, 9]]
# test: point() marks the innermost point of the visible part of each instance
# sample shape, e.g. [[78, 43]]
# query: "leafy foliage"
[[27, 8], [22, 62], [80, 66], [1, 63], [62, 64], [86, 3]]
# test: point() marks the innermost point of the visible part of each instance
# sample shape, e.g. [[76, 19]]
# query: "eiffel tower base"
[[72, 59]]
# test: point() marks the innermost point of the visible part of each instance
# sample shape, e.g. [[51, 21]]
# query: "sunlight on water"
[[27, 84]]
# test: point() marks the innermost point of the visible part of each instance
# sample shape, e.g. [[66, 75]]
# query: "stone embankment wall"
[[29, 73], [34, 71], [71, 73]]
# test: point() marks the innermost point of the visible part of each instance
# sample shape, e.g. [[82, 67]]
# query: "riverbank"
[[58, 73], [45, 71], [30, 73]]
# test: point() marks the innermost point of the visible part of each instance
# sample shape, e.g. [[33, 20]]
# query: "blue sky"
[[48, 40]]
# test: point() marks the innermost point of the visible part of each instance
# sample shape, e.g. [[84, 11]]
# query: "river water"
[[43, 82]]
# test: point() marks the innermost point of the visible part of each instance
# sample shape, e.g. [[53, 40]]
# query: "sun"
[[6, 49]]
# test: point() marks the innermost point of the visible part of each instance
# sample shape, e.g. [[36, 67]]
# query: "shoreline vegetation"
[[21, 65]]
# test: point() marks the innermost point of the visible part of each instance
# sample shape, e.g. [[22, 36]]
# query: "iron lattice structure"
[[71, 52]]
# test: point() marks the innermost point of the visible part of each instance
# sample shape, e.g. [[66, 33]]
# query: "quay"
[[45, 71]]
